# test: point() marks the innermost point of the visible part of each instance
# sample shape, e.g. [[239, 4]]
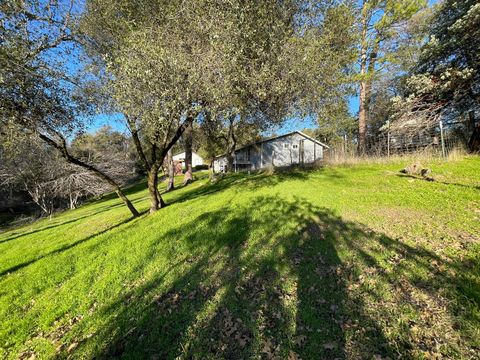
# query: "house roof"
[[314, 140], [278, 137], [183, 153]]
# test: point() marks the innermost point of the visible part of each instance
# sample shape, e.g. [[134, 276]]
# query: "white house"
[[196, 159], [289, 149]]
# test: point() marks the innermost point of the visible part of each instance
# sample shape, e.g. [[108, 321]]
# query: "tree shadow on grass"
[[285, 279], [257, 282], [61, 249], [433, 180], [16, 235], [241, 181]]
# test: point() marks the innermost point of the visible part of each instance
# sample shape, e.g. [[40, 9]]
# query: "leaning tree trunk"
[[100, 174], [170, 171], [38, 198], [120, 194], [188, 136]]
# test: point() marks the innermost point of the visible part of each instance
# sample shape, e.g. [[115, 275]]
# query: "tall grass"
[[426, 155]]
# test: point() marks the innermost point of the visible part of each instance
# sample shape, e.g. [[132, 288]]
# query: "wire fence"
[[438, 141]]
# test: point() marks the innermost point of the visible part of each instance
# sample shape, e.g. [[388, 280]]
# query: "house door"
[[301, 152]]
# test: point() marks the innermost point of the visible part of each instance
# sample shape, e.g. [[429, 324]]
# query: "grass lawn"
[[352, 262]]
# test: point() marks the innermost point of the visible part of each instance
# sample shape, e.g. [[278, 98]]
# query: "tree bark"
[[39, 199], [156, 201], [231, 145], [136, 140], [362, 111], [62, 147], [171, 171], [372, 59], [73, 200], [188, 136]]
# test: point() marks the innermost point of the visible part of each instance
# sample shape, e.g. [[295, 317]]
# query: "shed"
[[196, 159]]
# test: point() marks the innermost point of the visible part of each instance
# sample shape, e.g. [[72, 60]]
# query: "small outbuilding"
[[284, 150], [196, 159]]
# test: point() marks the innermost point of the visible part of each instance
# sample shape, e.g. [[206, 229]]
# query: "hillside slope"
[[341, 262]]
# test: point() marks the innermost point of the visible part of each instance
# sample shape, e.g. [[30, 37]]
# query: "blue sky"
[[116, 121]]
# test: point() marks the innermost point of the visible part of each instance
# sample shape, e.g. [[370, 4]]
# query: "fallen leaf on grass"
[[72, 347], [242, 340], [380, 357], [27, 355], [300, 340], [175, 298], [293, 355], [330, 346], [268, 349], [192, 295]]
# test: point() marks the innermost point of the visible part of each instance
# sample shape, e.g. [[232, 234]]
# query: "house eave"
[[274, 138]]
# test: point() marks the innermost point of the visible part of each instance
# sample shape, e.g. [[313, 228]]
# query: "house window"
[[295, 146], [248, 154], [286, 146]]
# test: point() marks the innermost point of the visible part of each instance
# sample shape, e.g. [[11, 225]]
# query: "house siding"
[[277, 152], [196, 159]]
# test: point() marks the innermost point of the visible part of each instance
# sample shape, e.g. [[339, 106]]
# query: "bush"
[[200, 167]]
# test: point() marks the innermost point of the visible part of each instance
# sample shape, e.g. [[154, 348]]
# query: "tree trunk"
[[230, 160], [138, 144], [212, 167], [188, 136], [170, 171], [125, 200], [231, 145], [474, 141], [151, 184], [64, 151], [38, 197], [158, 158], [362, 111], [156, 201], [372, 59], [73, 200]]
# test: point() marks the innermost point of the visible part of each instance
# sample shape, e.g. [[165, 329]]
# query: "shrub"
[[200, 167]]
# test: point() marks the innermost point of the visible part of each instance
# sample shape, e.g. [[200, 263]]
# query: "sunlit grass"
[[346, 261]]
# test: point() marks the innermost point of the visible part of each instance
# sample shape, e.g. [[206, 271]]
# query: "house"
[[196, 159], [284, 150]]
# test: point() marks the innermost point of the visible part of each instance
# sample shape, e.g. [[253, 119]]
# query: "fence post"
[[442, 139], [388, 140]]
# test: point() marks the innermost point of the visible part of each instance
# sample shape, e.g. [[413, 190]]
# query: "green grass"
[[341, 262]]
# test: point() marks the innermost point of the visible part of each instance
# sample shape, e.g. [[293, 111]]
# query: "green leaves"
[[445, 78]]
